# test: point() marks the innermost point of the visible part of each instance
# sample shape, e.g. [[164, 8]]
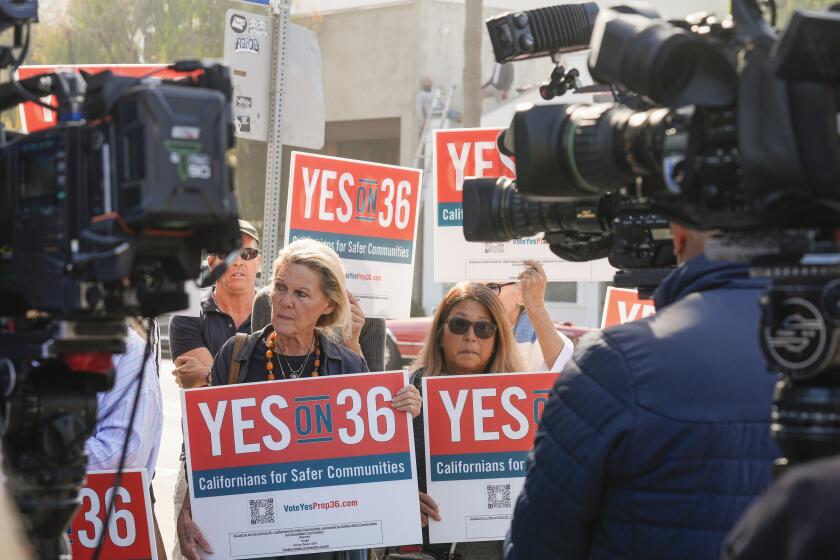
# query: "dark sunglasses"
[[247, 254], [482, 329], [498, 287]]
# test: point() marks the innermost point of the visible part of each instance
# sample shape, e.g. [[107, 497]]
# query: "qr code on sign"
[[262, 511], [498, 496]]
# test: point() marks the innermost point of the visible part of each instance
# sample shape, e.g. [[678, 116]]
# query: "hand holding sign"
[[532, 282], [408, 399], [428, 508], [357, 322], [190, 538]]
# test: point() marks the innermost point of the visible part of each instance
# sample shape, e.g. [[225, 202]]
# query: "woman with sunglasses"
[[470, 334], [542, 346]]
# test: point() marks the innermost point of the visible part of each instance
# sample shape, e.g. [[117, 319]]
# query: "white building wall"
[[376, 51]]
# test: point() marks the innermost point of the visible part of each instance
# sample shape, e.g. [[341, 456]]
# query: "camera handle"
[[560, 81]]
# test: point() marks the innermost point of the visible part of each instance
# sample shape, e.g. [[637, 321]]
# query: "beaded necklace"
[[269, 359]]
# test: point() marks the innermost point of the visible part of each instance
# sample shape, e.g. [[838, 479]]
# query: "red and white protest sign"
[[308, 465], [130, 530], [367, 212], [36, 118], [622, 306], [479, 430], [472, 152]]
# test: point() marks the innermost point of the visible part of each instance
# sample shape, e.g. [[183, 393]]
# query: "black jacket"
[[657, 435]]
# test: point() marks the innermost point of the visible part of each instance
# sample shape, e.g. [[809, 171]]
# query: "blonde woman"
[[309, 304]]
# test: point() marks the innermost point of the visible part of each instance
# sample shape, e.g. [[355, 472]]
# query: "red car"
[[404, 338]]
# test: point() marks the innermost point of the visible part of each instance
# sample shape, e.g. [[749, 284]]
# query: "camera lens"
[[585, 150], [495, 211]]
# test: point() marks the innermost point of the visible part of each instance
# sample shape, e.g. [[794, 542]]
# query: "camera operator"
[[657, 435], [537, 339]]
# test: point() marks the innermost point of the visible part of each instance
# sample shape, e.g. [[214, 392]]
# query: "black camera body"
[[108, 219], [738, 133], [742, 133], [102, 217], [635, 240]]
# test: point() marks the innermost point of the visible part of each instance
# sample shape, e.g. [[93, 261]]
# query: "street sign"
[[248, 53]]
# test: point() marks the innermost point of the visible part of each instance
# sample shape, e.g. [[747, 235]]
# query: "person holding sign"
[[309, 302], [539, 342], [470, 334]]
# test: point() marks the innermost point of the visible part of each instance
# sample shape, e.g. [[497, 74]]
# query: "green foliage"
[[142, 31]]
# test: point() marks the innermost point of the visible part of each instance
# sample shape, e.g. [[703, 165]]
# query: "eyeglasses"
[[482, 329], [498, 287], [246, 254]]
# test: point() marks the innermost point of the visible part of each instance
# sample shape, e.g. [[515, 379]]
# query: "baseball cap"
[[247, 228]]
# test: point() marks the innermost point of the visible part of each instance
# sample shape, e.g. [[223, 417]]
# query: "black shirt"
[[257, 371], [211, 329]]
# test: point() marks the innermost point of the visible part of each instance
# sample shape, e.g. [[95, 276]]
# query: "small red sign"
[[129, 534]]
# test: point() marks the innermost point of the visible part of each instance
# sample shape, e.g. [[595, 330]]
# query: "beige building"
[[374, 54]]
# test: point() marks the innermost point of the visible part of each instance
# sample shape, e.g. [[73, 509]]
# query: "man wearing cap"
[[225, 311]]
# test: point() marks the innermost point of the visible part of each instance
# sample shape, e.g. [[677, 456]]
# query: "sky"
[[668, 8]]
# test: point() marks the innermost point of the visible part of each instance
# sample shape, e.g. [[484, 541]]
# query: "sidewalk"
[[170, 450]]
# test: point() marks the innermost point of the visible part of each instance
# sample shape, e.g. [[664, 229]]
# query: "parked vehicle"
[[404, 338]]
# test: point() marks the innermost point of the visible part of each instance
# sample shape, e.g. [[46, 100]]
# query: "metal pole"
[[272, 214]]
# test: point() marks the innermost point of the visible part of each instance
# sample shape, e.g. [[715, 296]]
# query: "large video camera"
[[615, 221], [740, 135], [102, 217]]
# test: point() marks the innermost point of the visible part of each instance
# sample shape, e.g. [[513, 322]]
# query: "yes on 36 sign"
[[479, 430], [623, 305], [130, 530], [472, 152], [300, 466], [367, 212]]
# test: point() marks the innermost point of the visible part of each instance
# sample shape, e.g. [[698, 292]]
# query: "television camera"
[[102, 217], [738, 133]]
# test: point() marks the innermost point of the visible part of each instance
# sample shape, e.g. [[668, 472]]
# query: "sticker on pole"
[[130, 530], [465, 153], [366, 212], [248, 53], [302, 466], [622, 306], [479, 430]]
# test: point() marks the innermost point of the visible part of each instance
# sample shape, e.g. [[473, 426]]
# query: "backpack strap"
[[238, 343]]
